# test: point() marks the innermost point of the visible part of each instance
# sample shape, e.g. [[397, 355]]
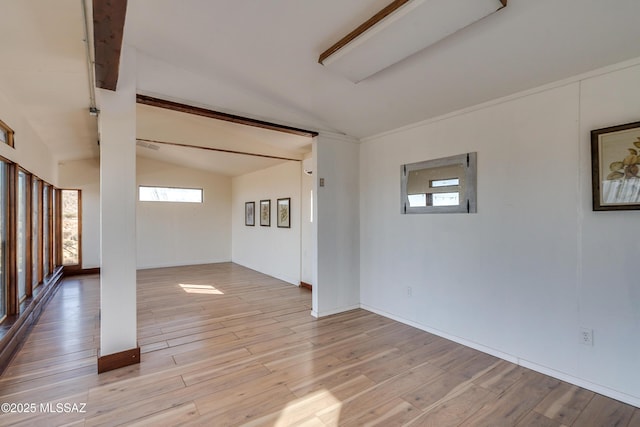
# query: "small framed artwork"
[[284, 213], [265, 213], [615, 167], [249, 213]]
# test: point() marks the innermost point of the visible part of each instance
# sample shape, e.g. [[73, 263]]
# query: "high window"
[[6, 134], [170, 194]]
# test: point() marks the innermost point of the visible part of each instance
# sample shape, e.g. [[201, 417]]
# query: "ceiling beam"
[[108, 27], [198, 111], [383, 13], [219, 150]]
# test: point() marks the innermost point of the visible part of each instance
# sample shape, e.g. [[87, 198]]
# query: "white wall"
[[168, 234], [336, 226], [29, 150], [84, 175], [519, 278], [608, 248], [270, 250], [171, 234]]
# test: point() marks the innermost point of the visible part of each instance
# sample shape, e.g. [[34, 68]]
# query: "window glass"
[[22, 235], [45, 230], [445, 199], [35, 234], [170, 194], [3, 239], [445, 182], [70, 227], [55, 222]]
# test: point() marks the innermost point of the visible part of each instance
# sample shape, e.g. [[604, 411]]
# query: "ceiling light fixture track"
[[399, 30]]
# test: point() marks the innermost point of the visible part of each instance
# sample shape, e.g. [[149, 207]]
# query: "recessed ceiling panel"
[[207, 144], [411, 28]]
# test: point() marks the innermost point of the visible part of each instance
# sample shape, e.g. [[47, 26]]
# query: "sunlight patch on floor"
[[200, 289], [304, 410]]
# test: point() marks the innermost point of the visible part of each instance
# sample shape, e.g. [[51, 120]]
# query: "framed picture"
[[284, 213], [249, 213], [615, 167], [265, 213]]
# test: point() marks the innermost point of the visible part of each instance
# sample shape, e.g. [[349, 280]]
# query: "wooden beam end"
[[118, 360]]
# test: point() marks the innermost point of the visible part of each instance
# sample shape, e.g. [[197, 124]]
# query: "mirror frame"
[[468, 191]]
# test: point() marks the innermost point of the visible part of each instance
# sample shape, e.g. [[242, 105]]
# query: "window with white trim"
[[169, 194]]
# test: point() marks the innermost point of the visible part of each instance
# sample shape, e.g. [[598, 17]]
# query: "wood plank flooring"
[[223, 345]]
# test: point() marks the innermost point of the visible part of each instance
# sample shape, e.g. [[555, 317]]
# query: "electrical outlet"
[[586, 336], [409, 291]]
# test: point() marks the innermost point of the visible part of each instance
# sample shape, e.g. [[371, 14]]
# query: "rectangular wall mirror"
[[446, 185]]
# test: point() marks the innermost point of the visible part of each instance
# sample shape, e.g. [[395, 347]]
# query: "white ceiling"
[[259, 59], [43, 72]]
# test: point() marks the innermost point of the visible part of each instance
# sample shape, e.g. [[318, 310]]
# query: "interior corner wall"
[[84, 175], [173, 234], [307, 263], [535, 264], [337, 226], [270, 250]]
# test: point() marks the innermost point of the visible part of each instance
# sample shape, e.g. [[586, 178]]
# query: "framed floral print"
[[284, 213], [615, 167], [249, 213], [265, 213]]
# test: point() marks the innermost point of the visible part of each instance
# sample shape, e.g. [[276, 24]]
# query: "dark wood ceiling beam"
[[108, 27], [198, 111], [383, 13], [219, 150]]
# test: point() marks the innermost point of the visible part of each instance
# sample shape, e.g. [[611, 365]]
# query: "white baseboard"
[[335, 311], [492, 351], [597, 388]]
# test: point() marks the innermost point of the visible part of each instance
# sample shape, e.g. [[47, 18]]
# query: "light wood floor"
[[223, 345]]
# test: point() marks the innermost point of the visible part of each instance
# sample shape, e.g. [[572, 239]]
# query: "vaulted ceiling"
[[260, 59]]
